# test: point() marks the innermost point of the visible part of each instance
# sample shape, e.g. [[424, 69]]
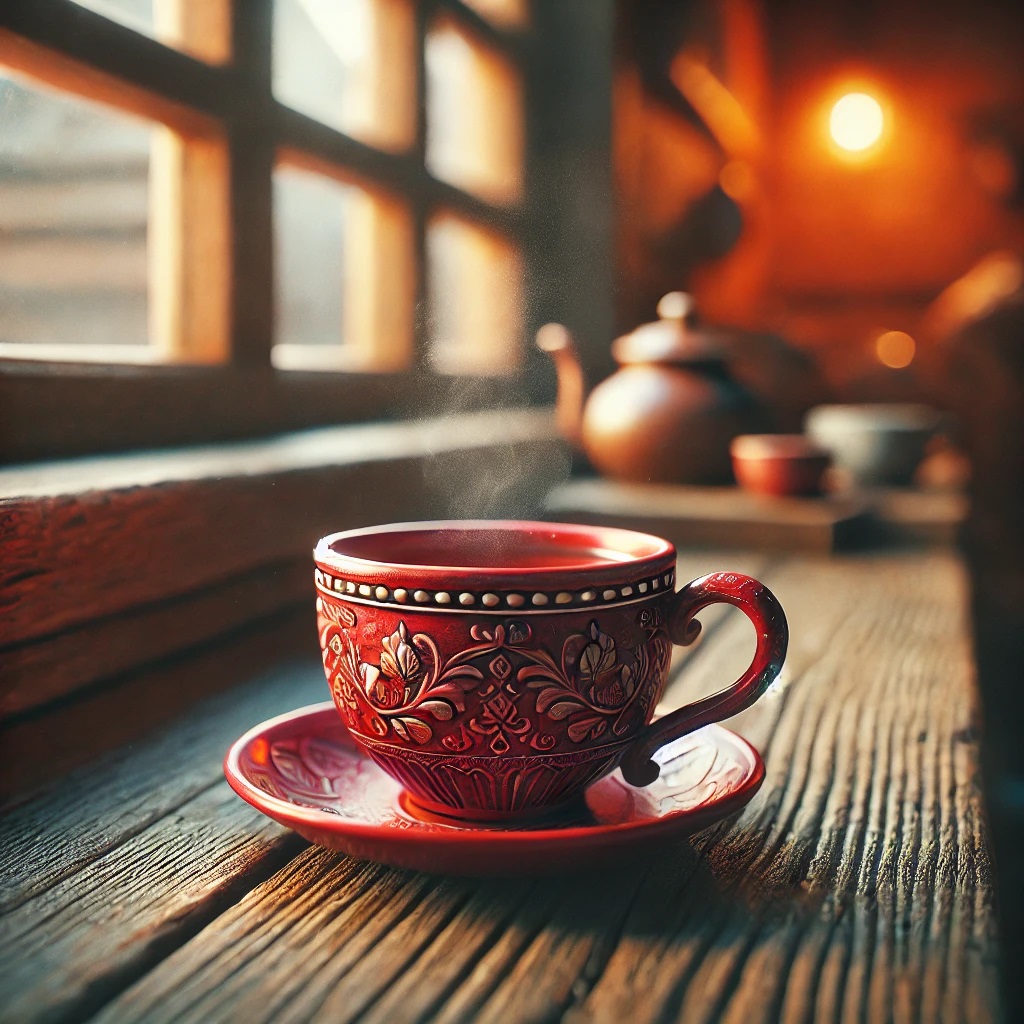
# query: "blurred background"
[[846, 175], [221, 221]]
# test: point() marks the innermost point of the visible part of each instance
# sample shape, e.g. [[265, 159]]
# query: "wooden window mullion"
[[77, 49], [420, 197], [251, 151], [214, 248]]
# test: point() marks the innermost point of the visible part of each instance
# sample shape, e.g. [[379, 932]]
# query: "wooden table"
[[856, 886]]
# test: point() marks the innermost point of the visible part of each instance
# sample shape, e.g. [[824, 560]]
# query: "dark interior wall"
[[827, 250], [570, 186], [671, 216], [887, 233]]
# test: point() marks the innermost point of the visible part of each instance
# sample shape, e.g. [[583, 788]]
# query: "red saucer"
[[305, 771]]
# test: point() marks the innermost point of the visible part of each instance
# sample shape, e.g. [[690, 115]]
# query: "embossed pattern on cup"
[[502, 690]]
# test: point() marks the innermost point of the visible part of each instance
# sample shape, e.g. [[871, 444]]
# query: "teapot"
[[668, 413]]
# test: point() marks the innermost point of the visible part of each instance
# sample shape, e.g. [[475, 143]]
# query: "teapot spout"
[[556, 340]]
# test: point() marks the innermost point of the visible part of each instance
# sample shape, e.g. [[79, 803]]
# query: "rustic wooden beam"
[[103, 538], [36, 674], [56, 410], [77, 49]]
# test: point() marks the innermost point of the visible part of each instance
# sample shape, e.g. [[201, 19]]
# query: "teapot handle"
[[556, 340], [764, 611]]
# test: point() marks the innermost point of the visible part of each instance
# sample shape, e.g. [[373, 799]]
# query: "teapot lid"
[[677, 337]]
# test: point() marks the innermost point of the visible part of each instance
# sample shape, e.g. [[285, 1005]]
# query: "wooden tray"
[[730, 517]]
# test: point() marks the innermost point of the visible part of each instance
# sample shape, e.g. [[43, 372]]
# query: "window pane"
[[201, 28], [74, 193], [350, 65], [474, 116], [344, 272], [475, 295], [309, 226], [136, 14], [503, 13]]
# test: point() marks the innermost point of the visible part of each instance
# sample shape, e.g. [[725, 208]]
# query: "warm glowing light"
[[895, 349], [737, 180], [856, 122]]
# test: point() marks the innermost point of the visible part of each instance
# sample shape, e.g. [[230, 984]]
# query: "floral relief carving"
[[410, 687], [522, 697], [314, 771], [592, 686]]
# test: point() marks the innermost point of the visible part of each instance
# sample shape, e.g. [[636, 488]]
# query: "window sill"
[[60, 410], [110, 564]]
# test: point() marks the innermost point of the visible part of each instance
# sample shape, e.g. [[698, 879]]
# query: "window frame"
[[56, 409]]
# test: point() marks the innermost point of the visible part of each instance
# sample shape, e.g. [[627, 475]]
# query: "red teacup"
[[495, 669]]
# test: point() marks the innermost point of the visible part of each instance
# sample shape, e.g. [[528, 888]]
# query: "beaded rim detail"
[[494, 602]]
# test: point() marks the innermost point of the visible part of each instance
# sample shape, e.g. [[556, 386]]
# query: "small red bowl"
[[779, 464]]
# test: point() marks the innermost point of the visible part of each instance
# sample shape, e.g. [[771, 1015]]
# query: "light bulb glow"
[[856, 122], [895, 349]]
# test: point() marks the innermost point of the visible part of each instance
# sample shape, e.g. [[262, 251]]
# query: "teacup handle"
[[764, 611]]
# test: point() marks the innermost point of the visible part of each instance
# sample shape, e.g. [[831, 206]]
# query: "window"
[[193, 26], [74, 212], [351, 65], [344, 275], [261, 212], [475, 298], [474, 134]]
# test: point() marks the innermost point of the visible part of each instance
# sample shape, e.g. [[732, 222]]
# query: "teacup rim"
[[659, 552]]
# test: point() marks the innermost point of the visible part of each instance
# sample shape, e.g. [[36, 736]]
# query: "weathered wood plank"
[[49, 411], [65, 951], [149, 801], [59, 833], [856, 885], [832, 904], [36, 673], [49, 742], [138, 529]]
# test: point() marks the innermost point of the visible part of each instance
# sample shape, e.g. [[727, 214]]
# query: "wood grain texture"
[[122, 794], [72, 945], [39, 672], [714, 515], [856, 886], [92, 541]]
